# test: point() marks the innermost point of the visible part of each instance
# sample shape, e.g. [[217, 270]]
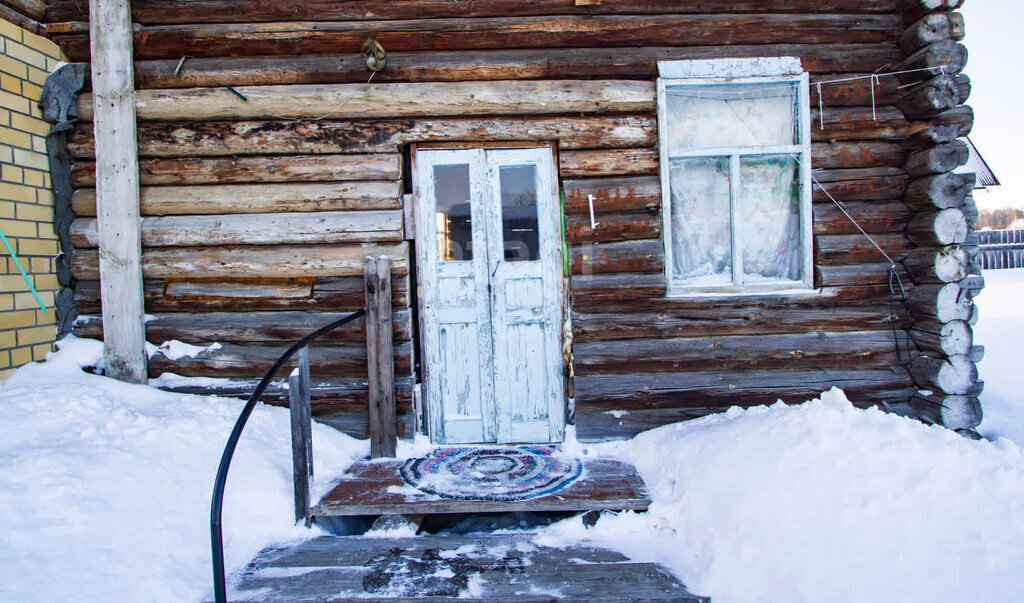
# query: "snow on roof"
[[976, 164]]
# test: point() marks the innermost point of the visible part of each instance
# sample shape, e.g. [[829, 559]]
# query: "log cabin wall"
[[260, 200]]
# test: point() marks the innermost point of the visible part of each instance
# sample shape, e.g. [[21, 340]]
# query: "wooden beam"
[[302, 435], [36, 9], [117, 185], [380, 357]]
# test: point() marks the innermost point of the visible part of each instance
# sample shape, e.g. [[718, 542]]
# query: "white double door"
[[489, 253]]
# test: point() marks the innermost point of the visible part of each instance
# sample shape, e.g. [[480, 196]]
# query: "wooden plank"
[[257, 229], [193, 139], [117, 182], [563, 31], [377, 488], [380, 356], [418, 99], [302, 436], [240, 170], [257, 198], [250, 262]]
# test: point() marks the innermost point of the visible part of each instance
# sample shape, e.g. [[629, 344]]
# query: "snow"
[[105, 490]]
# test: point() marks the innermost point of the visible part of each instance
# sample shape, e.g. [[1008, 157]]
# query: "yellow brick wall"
[[26, 200]]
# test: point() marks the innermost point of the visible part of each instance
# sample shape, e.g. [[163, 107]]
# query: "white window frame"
[[727, 72]]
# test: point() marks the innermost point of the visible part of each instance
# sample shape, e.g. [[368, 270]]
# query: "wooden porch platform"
[[377, 488], [509, 567]]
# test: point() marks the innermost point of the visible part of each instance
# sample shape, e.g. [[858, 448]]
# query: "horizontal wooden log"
[[626, 256], [613, 227], [860, 274], [953, 412], [251, 262], [856, 155], [937, 160], [257, 229], [874, 184], [941, 129], [736, 352], [931, 28], [19, 18], [234, 361], [699, 388], [240, 170], [940, 303], [256, 198], [417, 99], [34, 9], [183, 12], [250, 327], [319, 37], [938, 228], [762, 318], [859, 123], [872, 216], [934, 96], [325, 294], [593, 290], [612, 194], [210, 139], [942, 339], [939, 192], [433, 66], [839, 250], [953, 375], [937, 265], [609, 162], [913, 10], [941, 58]]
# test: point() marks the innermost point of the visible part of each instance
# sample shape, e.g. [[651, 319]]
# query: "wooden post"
[[380, 357], [117, 190], [302, 435]]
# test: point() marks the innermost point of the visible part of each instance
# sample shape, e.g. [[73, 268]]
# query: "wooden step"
[[507, 567], [377, 488]]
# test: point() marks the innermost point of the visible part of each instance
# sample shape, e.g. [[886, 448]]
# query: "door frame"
[[430, 425]]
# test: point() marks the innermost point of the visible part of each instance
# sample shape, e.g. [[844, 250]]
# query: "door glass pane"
[[769, 211], [732, 115], [701, 235], [519, 212], [454, 220]]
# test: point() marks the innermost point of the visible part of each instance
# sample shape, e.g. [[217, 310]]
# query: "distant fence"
[[1001, 249]]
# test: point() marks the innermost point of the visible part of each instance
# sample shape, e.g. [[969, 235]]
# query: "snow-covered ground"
[[104, 491]]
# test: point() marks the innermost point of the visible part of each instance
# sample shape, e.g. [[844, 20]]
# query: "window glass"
[[701, 239], [454, 219], [519, 212], [769, 213], [733, 115]]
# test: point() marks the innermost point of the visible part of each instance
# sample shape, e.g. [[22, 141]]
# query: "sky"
[[996, 95]]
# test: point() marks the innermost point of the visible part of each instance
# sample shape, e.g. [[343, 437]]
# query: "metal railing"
[[217, 503]]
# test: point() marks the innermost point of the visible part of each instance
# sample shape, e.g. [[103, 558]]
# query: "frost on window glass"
[[736, 115], [769, 215], [701, 239]]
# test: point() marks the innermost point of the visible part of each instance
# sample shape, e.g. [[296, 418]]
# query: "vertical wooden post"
[[117, 189], [380, 357], [302, 435]]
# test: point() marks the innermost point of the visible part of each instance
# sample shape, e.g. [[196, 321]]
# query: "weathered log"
[[941, 129], [703, 388], [872, 216], [970, 210], [939, 192], [938, 228], [613, 227], [197, 139], [931, 28], [257, 229], [736, 352], [249, 327], [626, 256], [913, 10], [942, 265], [860, 274], [184, 12], [942, 339], [257, 198], [609, 162], [856, 92], [238, 170], [839, 250], [976, 353], [34, 9], [250, 262], [418, 99], [594, 290], [973, 283], [859, 185], [937, 160], [953, 412], [934, 96], [612, 194], [319, 37], [941, 58], [856, 155], [20, 18], [859, 123], [702, 320], [951, 375], [940, 303], [325, 294]]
